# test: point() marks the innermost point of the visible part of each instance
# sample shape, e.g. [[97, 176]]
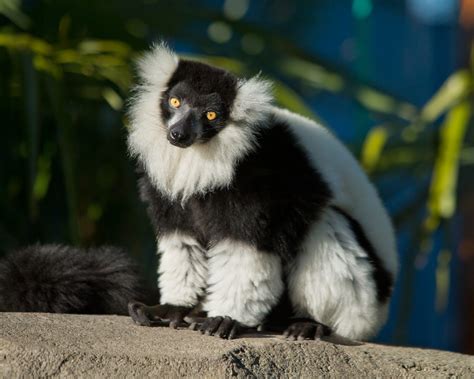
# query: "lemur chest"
[[223, 214]]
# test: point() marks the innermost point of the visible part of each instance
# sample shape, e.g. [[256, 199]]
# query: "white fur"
[[200, 168], [253, 102], [182, 271], [351, 188], [331, 280], [243, 283], [181, 173], [157, 66]]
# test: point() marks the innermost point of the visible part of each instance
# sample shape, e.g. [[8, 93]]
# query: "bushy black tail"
[[64, 279]]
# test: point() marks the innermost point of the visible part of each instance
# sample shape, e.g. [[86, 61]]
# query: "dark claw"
[[306, 330]]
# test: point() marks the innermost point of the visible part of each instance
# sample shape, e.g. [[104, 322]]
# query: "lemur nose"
[[178, 136]]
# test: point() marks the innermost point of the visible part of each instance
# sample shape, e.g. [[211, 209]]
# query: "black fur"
[[281, 315], [382, 278], [206, 88], [275, 195], [63, 279]]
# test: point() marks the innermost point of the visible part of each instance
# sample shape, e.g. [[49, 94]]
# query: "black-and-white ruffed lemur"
[[262, 217]]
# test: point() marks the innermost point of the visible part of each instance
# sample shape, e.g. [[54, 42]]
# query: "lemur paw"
[[222, 327], [161, 314], [306, 330]]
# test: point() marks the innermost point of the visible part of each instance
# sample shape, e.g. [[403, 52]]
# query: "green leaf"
[[112, 98], [313, 73], [373, 147], [105, 46], [23, 41], [442, 197], [453, 90], [11, 9]]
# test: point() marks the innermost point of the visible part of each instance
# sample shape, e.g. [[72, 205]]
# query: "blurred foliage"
[[66, 74]]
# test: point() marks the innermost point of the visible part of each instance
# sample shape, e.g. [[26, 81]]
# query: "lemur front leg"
[[182, 282], [244, 284]]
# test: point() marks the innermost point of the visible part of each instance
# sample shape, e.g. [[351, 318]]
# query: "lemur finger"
[[204, 325], [207, 324], [193, 326], [213, 325], [175, 323], [306, 331], [195, 320], [137, 313], [321, 331], [176, 319], [235, 331], [225, 327], [155, 313], [289, 332]]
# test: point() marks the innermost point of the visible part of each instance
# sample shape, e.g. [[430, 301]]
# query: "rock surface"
[[51, 345]]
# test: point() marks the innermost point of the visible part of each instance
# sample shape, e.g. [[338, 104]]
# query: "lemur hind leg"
[[334, 280]]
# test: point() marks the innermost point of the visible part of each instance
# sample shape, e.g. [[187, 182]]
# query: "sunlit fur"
[[243, 283], [339, 270], [335, 285], [183, 270]]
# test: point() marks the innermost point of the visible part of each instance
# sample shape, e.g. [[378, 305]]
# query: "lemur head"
[[191, 122], [196, 100], [197, 103]]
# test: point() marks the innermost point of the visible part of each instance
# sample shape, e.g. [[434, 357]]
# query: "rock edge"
[[54, 345]]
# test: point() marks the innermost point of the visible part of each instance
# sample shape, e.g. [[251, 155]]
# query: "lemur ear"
[[253, 100], [156, 67]]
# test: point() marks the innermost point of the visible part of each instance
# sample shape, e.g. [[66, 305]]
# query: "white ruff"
[[331, 280], [244, 283], [182, 271], [200, 168]]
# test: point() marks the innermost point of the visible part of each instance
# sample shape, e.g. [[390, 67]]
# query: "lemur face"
[[197, 103]]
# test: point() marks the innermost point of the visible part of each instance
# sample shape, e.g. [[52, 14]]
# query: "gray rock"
[[53, 345]]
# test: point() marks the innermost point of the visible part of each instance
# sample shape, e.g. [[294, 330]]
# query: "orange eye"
[[211, 115], [174, 102]]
